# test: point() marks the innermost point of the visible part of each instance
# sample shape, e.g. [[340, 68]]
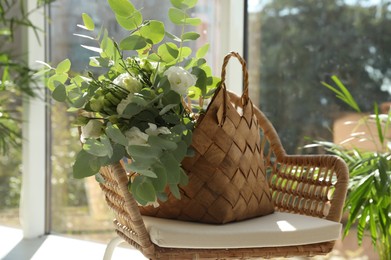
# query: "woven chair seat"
[[279, 229]]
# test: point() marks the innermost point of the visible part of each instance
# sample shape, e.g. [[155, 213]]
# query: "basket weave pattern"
[[227, 174], [313, 185]]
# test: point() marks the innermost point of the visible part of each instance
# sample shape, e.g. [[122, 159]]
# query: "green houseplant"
[[141, 102], [16, 78], [368, 202], [16, 82]]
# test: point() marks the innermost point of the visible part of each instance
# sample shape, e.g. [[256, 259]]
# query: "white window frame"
[[33, 206], [33, 193]]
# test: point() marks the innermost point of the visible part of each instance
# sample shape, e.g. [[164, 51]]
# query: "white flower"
[[124, 103], [180, 79], [92, 129], [136, 137], [154, 130], [128, 82]]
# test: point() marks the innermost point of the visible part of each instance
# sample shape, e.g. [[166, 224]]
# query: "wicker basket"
[[227, 174]]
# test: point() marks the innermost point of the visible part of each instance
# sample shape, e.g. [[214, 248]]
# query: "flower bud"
[[128, 82]]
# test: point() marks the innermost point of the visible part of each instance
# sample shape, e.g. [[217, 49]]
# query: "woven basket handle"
[[245, 95]]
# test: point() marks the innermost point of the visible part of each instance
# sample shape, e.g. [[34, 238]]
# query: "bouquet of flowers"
[[143, 105]]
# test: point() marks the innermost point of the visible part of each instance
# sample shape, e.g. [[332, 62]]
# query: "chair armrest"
[[313, 185]]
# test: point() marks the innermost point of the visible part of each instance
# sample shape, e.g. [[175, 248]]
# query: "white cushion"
[[274, 230]]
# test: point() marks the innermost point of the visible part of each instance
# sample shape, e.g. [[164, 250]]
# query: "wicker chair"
[[301, 185]]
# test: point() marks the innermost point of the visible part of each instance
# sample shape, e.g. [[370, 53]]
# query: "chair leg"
[[111, 246]]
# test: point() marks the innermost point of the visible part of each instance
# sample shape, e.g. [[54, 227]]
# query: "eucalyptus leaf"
[[106, 142], [175, 191], [192, 21], [132, 109], [177, 16], [143, 152], [59, 93], [172, 167], [130, 22], [146, 191], [122, 7], [160, 182], [95, 147], [180, 152], [116, 135], [168, 52], [88, 22], [85, 165], [133, 42], [154, 31], [202, 51], [134, 188], [190, 36], [164, 144], [63, 67], [147, 173]]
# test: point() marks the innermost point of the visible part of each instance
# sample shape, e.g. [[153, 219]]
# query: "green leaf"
[[171, 97], [118, 153], [202, 79], [180, 151], [190, 36], [143, 152], [85, 165], [122, 7], [162, 143], [116, 135], [147, 173], [177, 16], [378, 124], [130, 22], [140, 165], [168, 52], [160, 182], [88, 22], [202, 51], [175, 191], [184, 4], [131, 110], [146, 191], [59, 93], [133, 42], [172, 167], [153, 31], [184, 178], [193, 21], [106, 142], [63, 67], [167, 108], [95, 147], [99, 178], [134, 186], [62, 78]]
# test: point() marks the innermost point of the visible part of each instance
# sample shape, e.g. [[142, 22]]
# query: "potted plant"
[[368, 202], [141, 99]]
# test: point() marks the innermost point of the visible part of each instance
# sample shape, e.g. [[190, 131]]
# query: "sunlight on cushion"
[[277, 229]]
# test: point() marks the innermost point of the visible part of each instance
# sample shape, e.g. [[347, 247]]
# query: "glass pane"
[[295, 45], [78, 207], [14, 77]]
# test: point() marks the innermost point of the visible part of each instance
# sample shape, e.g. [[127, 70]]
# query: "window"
[[295, 45]]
